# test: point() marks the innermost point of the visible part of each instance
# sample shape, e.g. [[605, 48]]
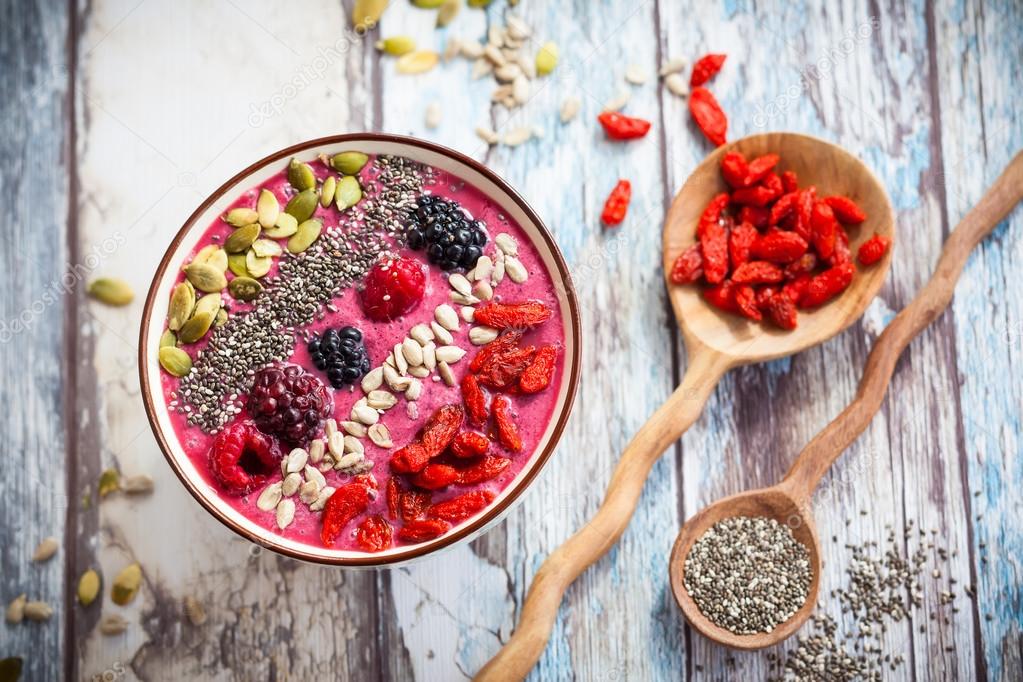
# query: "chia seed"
[[298, 295], [748, 574]]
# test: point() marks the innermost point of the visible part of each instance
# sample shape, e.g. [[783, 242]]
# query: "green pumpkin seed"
[[126, 585], [242, 238], [308, 232], [168, 338], [417, 62], [301, 175], [88, 587], [327, 191], [348, 193], [238, 217], [448, 12], [111, 291], [221, 318], [284, 227], [268, 208], [303, 205], [349, 163], [478, 3], [213, 255], [396, 45], [205, 277], [256, 265], [176, 362], [210, 303], [546, 58], [366, 13], [244, 288], [266, 248], [236, 261], [428, 4], [196, 328], [10, 668], [181, 304], [109, 481]]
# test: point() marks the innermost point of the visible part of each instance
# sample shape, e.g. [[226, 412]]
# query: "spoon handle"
[[593, 540], [818, 456]]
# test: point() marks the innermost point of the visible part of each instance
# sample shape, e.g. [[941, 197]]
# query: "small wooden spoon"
[[789, 502], [715, 342]]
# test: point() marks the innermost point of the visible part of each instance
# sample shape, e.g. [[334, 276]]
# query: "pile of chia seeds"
[[299, 294], [748, 574]]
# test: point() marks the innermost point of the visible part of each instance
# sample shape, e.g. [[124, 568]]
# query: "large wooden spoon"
[[715, 342], [789, 501]]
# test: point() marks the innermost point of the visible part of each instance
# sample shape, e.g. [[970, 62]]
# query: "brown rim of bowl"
[[461, 532]]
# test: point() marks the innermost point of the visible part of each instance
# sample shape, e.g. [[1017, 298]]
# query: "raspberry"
[[290, 403], [423, 530], [462, 507], [483, 470], [374, 534], [512, 315], [242, 458], [393, 287]]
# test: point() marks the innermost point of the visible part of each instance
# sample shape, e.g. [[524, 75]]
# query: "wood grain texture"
[[171, 98]]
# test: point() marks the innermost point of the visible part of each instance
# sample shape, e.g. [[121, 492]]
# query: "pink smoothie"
[[532, 412]]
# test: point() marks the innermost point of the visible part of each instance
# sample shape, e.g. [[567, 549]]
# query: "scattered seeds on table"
[[570, 108], [487, 135], [546, 59], [635, 74], [618, 102], [88, 587], [112, 624], [126, 585], [38, 610], [194, 611], [111, 291], [433, 115], [671, 66], [109, 480], [139, 484], [676, 85], [417, 62], [46, 549], [447, 12], [396, 45], [16, 609]]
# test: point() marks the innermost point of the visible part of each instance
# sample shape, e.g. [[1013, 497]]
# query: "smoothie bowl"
[[360, 350]]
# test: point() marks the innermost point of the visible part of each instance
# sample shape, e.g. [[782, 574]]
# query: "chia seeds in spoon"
[[748, 574]]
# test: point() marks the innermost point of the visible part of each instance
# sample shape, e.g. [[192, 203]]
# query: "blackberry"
[[341, 354], [451, 237], [288, 402]]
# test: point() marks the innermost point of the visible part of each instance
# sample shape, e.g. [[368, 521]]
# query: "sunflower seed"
[[382, 400], [309, 491], [307, 233], [349, 460], [330, 427], [458, 282], [373, 379], [353, 444], [484, 266], [412, 352], [516, 270], [422, 334], [517, 28], [336, 445], [291, 484], [354, 429], [501, 93], [365, 414], [618, 102], [482, 291], [205, 277], [137, 485], [380, 435], [480, 68], [112, 624], [111, 291], [520, 89], [400, 363], [672, 66], [195, 611], [430, 357], [321, 498], [462, 299], [88, 587], [487, 135], [446, 317], [175, 361], [450, 354], [447, 12], [414, 390], [546, 59], [482, 335], [16, 609], [417, 62], [285, 513], [46, 549], [420, 372], [297, 459], [635, 74], [676, 85], [468, 312], [472, 49], [314, 475], [316, 450], [498, 275], [394, 380], [445, 373], [433, 115], [126, 585], [442, 335], [507, 244], [38, 610], [271, 495], [507, 72], [517, 136]]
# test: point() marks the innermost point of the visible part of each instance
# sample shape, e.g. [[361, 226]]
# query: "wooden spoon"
[[715, 342], [789, 501]]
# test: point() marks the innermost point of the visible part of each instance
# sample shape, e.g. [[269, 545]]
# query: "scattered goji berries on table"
[[767, 247], [705, 68], [617, 203], [708, 115], [622, 127]]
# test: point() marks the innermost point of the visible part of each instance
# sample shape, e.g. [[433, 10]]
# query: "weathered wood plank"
[[37, 277]]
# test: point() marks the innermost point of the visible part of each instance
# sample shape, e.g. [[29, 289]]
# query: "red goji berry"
[[622, 127], [734, 169], [712, 213], [803, 265], [412, 504], [764, 294], [705, 68], [804, 212], [504, 370], [714, 248], [507, 432], [841, 254], [772, 182], [758, 195], [846, 210], [722, 296], [342, 506], [873, 250], [393, 497], [688, 267], [462, 507], [825, 286], [469, 444], [483, 470], [782, 311], [368, 480], [410, 458], [506, 341], [795, 289], [435, 476], [441, 428], [423, 530], [757, 272], [778, 247], [474, 398], [708, 115], [759, 168], [740, 240], [539, 372], [512, 315], [823, 227], [789, 181], [617, 204], [757, 216], [746, 302], [373, 534], [782, 208]]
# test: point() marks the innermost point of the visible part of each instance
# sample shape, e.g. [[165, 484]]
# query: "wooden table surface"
[[118, 116]]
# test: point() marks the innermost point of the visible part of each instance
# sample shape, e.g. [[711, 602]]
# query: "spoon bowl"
[[816, 162]]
